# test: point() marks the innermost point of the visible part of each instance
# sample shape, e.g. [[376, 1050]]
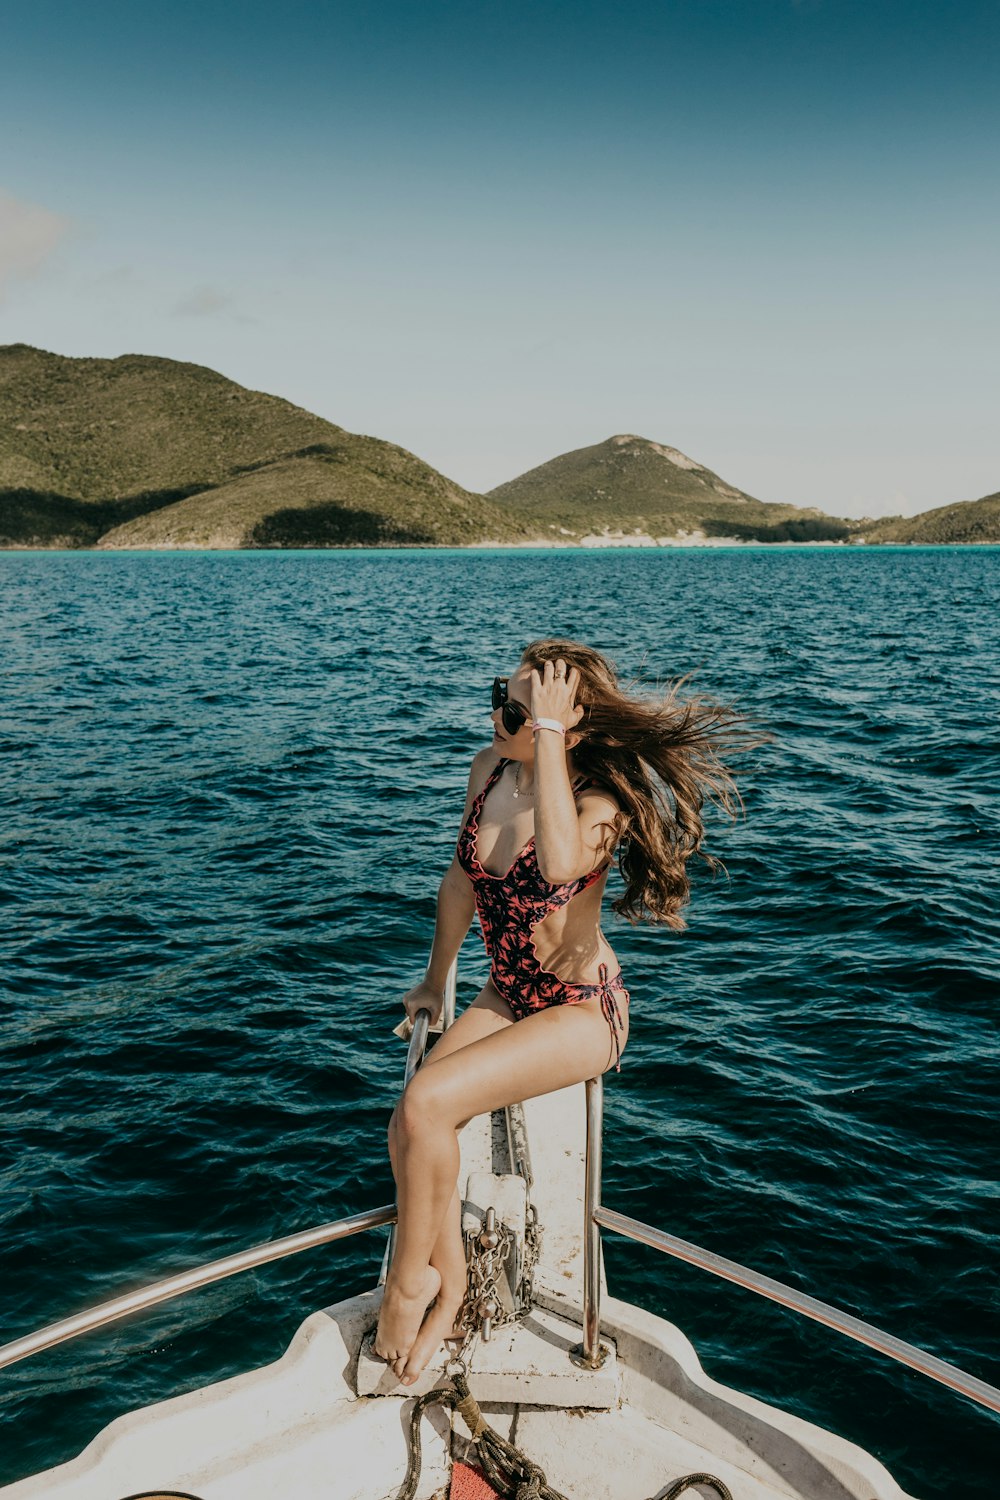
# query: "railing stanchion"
[[414, 1057], [450, 996], [592, 1353], [418, 1044]]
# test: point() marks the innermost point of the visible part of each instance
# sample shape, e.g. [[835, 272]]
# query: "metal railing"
[[596, 1215], [414, 1057], [450, 995], [187, 1281], [592, 1353], [244, 1260]]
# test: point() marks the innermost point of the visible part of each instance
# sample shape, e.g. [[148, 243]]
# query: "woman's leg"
[[487, 1013], [448, 1255], [556, 1047]]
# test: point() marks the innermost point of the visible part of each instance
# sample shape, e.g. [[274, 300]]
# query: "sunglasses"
[[514, 717]]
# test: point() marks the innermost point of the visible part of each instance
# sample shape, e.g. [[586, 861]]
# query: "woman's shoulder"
[[602, 817], [594, 791], [484, 763]]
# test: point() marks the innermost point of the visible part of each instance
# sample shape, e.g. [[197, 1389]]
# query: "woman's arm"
[[456, 906], [569, 843]]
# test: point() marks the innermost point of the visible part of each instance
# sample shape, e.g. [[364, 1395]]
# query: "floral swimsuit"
[[510, 907]]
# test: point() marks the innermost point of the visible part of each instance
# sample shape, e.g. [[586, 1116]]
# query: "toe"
[[418, 1358], [428, 1344], [382, 1350]]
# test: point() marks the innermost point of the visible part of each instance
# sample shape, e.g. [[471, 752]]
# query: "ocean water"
[[230, 783]]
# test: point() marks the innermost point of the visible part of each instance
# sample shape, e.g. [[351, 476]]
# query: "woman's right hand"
[[424, 996]]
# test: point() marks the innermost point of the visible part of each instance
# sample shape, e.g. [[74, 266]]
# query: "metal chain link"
[[490, 1302], [485, 1307], [532, 1252]]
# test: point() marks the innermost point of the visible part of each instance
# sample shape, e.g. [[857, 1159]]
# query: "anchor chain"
[[490, 1300], [486, 1306], [510, 1471], [532, 1250]]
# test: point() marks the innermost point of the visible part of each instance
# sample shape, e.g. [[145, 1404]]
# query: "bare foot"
[[400, 1318], [438, 1325]]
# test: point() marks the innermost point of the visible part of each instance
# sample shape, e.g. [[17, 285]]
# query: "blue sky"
[[764, 233]]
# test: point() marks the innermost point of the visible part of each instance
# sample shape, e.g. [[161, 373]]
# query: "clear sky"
[[766, 232]]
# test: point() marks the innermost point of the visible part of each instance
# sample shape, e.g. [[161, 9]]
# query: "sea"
[[230, 784]]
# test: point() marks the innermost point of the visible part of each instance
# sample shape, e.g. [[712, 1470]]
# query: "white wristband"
[[548, 724]]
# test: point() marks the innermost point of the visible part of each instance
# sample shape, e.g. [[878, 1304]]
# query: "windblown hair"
[[662, 759]]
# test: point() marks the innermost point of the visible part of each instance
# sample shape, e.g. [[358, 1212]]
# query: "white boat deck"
[[298, 1427]]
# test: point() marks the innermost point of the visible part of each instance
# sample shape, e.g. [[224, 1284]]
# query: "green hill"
[[141, 451], [968, 521], [146, 452], [355, 492], [630, 484]]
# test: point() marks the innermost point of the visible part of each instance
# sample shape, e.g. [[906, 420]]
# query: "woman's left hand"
[[553, 693]]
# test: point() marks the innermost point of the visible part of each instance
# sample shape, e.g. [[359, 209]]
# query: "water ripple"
[[229, 784]]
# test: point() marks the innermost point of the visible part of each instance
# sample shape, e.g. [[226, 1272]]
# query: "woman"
[[566, 778]]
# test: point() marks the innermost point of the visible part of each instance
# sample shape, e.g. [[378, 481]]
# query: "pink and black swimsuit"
[[510, 907]]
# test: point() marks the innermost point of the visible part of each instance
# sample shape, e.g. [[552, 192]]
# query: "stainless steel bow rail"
[[187, 1281], [244, 1260], [591, 1353]]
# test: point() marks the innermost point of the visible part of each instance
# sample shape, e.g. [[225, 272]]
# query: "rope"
[[509, 1471], [680, 1485]]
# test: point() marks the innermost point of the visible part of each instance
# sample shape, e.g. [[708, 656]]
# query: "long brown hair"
[[662, 758]]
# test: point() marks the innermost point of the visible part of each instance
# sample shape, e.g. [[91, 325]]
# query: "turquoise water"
[[230, 783]]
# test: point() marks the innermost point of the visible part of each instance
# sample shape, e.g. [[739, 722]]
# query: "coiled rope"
[[508, 1469]]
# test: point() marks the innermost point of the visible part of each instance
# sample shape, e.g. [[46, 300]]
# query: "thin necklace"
[[517, 783]]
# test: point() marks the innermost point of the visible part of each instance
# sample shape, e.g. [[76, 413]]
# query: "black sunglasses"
[[514, 717]]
